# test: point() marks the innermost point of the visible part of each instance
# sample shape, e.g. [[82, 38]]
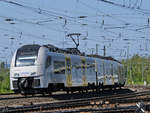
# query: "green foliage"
[[2, 65], [4, 80], [138, 70]]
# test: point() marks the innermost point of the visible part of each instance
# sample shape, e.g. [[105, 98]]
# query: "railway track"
[[95, 101], [125, 109], [11, 96], [18, 96], [63, 95]]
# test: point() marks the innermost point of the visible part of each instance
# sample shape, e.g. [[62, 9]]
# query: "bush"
[[4, 80], [138, 70]]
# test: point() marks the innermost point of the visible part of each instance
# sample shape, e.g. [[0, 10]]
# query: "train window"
[[107, 70], [59, 67], [115, 70], [48, 62], [103, 68], [111, 69]]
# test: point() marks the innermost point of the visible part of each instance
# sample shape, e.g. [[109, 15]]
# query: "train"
[[47, 68]]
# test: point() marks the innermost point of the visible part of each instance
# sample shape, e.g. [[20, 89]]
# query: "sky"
[[120, 25]]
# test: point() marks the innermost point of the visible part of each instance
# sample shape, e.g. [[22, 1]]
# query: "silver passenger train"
[[44, 69]]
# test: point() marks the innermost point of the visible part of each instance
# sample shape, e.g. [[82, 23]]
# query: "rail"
[[80, 102]]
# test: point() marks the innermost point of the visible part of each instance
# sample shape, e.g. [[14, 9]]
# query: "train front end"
[[26, 71]]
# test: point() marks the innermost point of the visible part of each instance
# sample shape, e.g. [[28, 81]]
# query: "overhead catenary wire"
[[70, 23], [37, 11], [134, 8]]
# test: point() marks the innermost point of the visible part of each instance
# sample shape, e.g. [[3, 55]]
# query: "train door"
[[112, 73], [108, 75], [100, 72], [83, 71], [104, 74], [47, 76], [68, 71], [120, 74]]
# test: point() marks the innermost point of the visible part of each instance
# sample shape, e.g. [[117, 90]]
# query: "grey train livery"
[[44, 69]]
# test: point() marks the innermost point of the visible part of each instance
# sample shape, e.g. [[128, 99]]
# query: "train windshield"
[[26, 61], [27, 55]]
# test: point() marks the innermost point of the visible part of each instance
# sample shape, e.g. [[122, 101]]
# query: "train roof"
[[29, 48], [73, 51], [103, 57], [51, 48]]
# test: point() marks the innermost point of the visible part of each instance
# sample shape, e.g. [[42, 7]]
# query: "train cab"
[[27, 68]]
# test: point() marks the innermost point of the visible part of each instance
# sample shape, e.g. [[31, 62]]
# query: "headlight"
[[34, 73], [16, 74]]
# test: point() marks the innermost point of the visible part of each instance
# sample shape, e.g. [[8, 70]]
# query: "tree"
[[2, 65]]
